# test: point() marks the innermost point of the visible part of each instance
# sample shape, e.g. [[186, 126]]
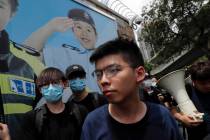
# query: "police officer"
[[18, 66]]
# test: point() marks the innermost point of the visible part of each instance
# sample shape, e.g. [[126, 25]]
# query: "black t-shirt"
[[91, 102], [61, 126], [120, 131]]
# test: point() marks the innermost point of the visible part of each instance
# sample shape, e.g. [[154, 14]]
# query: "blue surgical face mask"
[[52, 93], [77, 85]]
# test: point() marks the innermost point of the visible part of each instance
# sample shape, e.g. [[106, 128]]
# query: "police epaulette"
[[26, 48], [81, 51], [71, 47]]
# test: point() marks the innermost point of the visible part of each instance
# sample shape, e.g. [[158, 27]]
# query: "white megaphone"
[[175, 85]]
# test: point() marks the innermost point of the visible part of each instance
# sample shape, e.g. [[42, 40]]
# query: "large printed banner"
[[65, 32]]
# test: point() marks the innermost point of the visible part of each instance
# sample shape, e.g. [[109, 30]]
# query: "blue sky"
[[136, 5]]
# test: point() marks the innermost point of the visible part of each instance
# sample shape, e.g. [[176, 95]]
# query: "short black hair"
[[49, 75], [14, 5], [200, 71], [128, 49], [75, 71]]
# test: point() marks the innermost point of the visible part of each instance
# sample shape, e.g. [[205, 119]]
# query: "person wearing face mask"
[[81, 95], [54, 120]]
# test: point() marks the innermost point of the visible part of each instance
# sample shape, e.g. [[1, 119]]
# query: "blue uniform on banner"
[[62, 57]]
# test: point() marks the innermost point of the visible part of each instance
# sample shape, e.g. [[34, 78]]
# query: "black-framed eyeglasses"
[[109, 71]]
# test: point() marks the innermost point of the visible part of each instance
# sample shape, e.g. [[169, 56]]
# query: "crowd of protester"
[[131, 105]]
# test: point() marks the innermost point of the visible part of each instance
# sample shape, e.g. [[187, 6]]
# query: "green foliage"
[[171, 26], [148, 66]]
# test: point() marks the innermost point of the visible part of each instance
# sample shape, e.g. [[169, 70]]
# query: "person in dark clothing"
[[199, 93], [149, 90], [91, 100], [119, 73], [54, 120]]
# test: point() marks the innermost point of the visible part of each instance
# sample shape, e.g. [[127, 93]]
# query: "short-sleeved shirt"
[[62, 57]]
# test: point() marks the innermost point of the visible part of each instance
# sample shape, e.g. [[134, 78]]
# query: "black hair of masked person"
[[74, 71]]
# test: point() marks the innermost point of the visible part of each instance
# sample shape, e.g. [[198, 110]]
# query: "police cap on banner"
[[81, 15]]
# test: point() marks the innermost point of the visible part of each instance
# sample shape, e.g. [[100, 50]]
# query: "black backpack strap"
[[78, 111], [95, 99], [41, 113], [71, 98]]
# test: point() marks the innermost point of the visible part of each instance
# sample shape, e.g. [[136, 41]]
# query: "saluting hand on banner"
[[38, 38], [60, 24]]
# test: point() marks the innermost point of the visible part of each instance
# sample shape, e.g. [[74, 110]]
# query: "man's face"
[[85, 34], [203, 86], [118, 81], [5, 13]]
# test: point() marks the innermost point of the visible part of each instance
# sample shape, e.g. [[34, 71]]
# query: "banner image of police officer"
[[64, 35]]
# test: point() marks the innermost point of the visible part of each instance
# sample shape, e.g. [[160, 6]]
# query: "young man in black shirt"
[[77, 82], [54, 120]]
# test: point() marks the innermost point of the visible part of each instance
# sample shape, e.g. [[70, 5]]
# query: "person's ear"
[[140, 73]]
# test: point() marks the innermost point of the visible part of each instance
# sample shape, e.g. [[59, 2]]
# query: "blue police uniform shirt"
[[66, 55]]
